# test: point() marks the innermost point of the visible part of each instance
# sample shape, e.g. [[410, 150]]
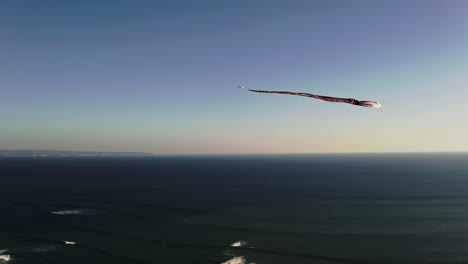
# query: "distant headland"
[[67, 153]]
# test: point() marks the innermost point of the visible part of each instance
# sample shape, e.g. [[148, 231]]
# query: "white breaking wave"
[[68, 212], [239, 244], [236, 260], [69, 242], [5, 257], [75, 212]]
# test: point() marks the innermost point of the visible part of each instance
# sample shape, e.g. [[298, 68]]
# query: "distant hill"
[[66, 153]]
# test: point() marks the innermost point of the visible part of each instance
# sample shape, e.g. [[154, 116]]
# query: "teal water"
[[353, 208]]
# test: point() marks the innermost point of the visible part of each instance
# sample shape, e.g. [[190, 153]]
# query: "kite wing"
[[352, 101]]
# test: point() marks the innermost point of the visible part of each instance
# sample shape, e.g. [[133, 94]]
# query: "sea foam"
[[5, 257], [239, 244], [236, 260], [75, 212]]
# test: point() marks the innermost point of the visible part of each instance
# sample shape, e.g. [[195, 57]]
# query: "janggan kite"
[[371, 104]]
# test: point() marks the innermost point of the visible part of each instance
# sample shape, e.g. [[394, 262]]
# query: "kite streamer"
[[371, 104]]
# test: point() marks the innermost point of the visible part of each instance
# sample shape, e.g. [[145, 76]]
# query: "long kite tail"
[[320, 97]]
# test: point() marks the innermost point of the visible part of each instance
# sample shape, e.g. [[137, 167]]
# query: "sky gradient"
[[161, 76]]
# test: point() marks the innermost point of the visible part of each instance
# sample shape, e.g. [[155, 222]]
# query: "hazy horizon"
[[162, 76], [227, 154]]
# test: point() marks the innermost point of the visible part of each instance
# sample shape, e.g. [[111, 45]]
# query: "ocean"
[[263, 209]]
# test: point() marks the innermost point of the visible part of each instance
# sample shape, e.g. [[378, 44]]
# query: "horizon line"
[[246, 154]]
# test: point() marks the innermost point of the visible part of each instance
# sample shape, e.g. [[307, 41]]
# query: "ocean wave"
[[125, 258], [44, 249], [40, 248], [235, 260], [42, 241], [239, 244], [76, 212], [242, 245], [38, 245], [317, 257], [5, 258]]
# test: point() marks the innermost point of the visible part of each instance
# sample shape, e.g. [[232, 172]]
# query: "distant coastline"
[[68, 153]]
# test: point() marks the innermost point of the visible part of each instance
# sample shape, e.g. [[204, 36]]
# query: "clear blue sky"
[[161, 76]]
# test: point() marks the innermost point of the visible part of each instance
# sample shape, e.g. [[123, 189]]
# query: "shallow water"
[[354, 208]]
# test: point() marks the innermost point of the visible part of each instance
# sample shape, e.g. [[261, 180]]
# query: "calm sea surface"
[[271, 209]]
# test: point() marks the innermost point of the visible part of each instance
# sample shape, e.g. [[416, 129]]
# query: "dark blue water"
[[379, 208]]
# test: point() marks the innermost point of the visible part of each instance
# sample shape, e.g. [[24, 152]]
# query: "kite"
[[371, 104]]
